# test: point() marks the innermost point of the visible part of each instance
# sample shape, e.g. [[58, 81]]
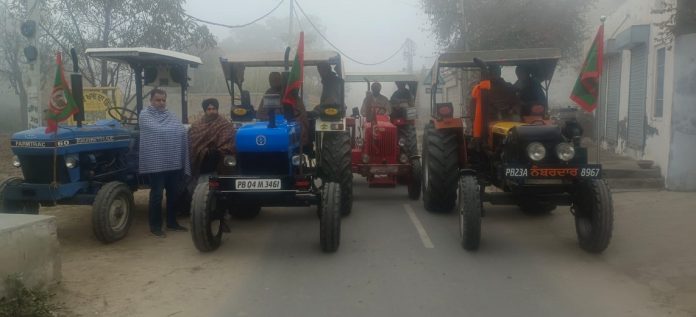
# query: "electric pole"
[[291, 25], [409, 52], [32, 80]]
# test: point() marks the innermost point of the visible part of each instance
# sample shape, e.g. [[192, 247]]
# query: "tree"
[[506, 24], [123, 23]]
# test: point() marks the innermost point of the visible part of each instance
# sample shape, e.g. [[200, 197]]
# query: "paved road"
[[396, 259]]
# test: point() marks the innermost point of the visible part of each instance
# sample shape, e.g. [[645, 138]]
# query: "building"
[[647, 104]]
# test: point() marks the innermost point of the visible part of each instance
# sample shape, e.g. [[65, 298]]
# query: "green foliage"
[[507, 24], [23, 302]]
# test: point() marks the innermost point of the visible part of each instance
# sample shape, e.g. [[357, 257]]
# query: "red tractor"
[[384, 144]]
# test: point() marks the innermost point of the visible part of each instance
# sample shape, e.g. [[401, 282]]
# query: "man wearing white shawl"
[[163, 157]]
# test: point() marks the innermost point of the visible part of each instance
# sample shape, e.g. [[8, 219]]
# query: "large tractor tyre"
[[440, 167], [335, 166], [594, 215], [414, 184], [533, 207], [408, 133], [16, 207], [470, 208], [112, 212], [245, 212], [330, 220], [206, 220]]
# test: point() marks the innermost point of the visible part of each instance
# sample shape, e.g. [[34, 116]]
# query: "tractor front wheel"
[[112, 212], [15, 206], [206, 219], [594, 215], [469, 206], [330, 220]]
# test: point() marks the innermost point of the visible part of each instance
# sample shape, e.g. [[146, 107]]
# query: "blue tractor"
[[92, 164], [272, 166]]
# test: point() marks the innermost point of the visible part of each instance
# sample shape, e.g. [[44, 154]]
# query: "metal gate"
[[613, 92], [636, 97]]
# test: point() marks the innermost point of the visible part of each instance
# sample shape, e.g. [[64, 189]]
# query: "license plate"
[[593, 171], [384, 169], [257, 184]]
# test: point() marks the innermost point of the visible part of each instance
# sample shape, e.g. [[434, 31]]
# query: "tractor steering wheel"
[[119, 114]]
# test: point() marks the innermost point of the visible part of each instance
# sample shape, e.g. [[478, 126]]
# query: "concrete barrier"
[[29, 248]]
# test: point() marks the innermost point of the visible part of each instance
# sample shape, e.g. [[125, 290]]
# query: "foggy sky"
[[367, 30]]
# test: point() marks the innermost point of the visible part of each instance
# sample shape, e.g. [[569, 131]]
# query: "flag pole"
[[599, 105]]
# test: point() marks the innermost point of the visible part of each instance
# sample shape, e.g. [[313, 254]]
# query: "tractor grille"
[[39, 169], [263, 163], [386, 145]]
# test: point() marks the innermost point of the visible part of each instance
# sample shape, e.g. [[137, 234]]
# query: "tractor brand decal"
[[29, 143], [260, 140], [68, 142], [95, 139]]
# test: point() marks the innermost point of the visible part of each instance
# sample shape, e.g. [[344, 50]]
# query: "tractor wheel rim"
[[118, 214], [215, 227]]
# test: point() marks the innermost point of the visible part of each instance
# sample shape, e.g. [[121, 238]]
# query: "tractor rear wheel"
[[414, 184], [16, 207], [335, 166], [469, 206], [594, 215], [440, 166], [408, 133], [112, 212], [330, 220], [206, 220]]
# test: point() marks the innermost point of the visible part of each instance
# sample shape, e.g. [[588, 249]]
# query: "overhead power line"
[[338, 49], [240, 25]]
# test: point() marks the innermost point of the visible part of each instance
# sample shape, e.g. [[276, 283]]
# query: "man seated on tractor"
[[375, 103], [331, 85], [211, 138], [401, 96], [530, 92], [504, 103], [275, 80]]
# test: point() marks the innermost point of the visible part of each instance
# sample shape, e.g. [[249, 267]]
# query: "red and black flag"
[[586, 90], [292, 92], [61, 105]]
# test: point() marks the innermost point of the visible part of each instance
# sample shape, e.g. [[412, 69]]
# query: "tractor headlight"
[[402, 142], [565, 151], [536, 151], [403, 158], [296, 160], [70, 162], [365, 158], [230, 161], [15, 162], [359, 143]]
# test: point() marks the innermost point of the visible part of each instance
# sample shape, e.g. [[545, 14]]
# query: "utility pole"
[[32, 79], [409, 52], [291, 25]]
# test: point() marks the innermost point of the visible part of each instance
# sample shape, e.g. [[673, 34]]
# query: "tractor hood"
[[258, 137], [105, 134]]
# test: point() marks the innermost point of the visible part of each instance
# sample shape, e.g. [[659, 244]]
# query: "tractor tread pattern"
[[441, 152], [200, 220], [336, 166], [595, 199]]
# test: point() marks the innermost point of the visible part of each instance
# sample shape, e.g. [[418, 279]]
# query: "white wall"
[[638, 12]]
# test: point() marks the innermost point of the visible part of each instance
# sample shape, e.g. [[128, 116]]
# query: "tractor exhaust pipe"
[[77, 91]]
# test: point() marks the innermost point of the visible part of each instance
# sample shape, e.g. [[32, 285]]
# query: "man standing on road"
[[163, 157], [211, 137]]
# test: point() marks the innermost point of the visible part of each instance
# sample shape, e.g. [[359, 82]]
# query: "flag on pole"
[[61, 105], [586, 90], [292, 90]]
